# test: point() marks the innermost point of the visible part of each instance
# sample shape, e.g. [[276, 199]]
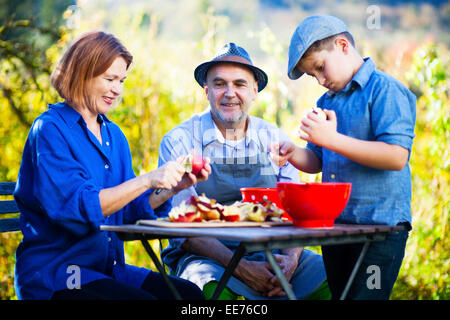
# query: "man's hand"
[[256, 274], [260, 276], [288, 264]]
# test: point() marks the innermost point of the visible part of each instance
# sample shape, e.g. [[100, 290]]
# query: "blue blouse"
[[63, 169], [374, 107]]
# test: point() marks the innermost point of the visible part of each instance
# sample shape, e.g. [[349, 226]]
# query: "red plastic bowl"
[[256, 195], [314, 205]]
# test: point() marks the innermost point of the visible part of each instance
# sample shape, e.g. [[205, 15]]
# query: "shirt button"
[[115, 262], [333, 176], [106, 166], [104, 124], [109, 239], [107, 143]]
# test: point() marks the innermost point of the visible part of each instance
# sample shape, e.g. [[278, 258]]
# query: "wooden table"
[[259, 239]]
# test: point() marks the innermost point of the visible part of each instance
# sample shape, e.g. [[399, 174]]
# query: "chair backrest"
[[8, 207]]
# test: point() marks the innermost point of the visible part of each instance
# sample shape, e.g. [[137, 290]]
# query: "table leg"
[[238, 254], [160, 268], [284, 283], [355, 270]]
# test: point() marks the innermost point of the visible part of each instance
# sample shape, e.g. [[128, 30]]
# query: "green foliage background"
[[160, 92]]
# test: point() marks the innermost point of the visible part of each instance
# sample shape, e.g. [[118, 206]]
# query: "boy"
[[366, 139]]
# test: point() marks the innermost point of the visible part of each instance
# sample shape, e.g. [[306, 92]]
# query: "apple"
[[257, 213], [184, 213], [231, 213], [186, 217], [211, 215]]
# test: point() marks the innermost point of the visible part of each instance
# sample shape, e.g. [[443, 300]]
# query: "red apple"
[[187, 217]]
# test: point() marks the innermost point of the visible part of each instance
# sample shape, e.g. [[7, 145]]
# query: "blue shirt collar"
[[72, 116]]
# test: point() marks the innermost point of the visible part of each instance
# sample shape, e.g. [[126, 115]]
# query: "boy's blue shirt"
[[374, 107]]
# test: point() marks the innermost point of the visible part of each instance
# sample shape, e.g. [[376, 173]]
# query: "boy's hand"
[[281, 152], [318, 130]]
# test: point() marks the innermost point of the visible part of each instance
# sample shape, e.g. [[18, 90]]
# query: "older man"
[[238, 146]]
